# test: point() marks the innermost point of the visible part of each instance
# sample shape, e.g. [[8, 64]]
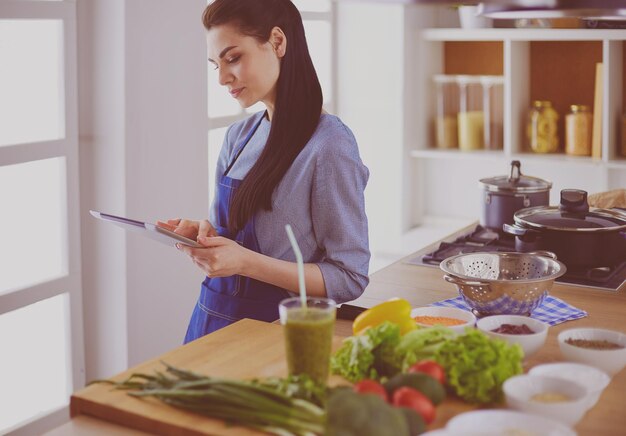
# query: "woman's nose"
[[225, 77]]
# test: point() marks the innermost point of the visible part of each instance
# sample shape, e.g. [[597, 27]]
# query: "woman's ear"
[[278, 41]]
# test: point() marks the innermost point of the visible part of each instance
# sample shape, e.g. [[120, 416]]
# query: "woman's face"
[[247, 67]]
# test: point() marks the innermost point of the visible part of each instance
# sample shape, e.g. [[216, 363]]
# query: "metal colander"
[[503, 283]]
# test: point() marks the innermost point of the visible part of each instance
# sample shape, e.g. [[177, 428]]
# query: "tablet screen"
[[149, 230]]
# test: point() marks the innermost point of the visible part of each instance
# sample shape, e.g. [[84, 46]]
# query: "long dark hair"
[[298, 98]]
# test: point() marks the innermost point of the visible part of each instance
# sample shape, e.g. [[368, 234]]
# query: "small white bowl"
[[505, 422], [531, 343], [520, 389], [448, 312], [609, 361], [590, 377]]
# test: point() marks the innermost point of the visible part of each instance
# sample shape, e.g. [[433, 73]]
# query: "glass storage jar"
[[493, 105], [542, 127], [471, 117], [447, 109], [578, 127]]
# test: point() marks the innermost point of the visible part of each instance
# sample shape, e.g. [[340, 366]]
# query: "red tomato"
[[414, 399], [370, 387], [431, 368]]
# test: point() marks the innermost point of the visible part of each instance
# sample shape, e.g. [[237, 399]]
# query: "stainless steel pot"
[[581, 237], [502, 196]]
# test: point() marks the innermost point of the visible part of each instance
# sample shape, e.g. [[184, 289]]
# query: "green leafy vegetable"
[[422, 344], [476, 366], [370, 355]]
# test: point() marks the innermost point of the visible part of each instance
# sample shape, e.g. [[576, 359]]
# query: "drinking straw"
[[298, 253]]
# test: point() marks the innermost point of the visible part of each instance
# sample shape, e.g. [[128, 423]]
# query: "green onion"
[[246, 403]]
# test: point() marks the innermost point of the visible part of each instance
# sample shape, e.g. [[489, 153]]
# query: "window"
[[223, 110], [40, 294]]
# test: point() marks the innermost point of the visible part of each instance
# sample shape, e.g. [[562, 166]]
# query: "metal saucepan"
[[502, 196], [580, 236]]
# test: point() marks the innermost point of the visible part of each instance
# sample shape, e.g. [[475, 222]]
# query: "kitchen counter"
[[417, 284]]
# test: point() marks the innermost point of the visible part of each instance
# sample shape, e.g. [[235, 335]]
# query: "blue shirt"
[[321, 196]]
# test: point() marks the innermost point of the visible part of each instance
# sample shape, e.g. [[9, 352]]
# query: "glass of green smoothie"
[[308, 335]]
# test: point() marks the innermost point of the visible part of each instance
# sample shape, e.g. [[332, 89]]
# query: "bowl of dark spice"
[[604, 349], [529, 333]]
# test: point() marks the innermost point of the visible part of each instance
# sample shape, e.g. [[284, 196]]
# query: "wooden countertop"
[[420, 286]]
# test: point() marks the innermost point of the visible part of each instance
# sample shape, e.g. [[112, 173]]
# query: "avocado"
[[414, 421], [421, 382]]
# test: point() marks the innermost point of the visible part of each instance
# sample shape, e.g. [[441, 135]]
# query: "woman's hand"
[[220, 257], [189, 228]]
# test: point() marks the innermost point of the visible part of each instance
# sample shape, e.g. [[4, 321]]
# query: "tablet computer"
[[149, 230]]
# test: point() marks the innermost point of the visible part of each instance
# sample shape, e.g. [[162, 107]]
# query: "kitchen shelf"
[[523, 35], [558, 158], [536, 64], [433, 153], [617, 164], [453, 153]]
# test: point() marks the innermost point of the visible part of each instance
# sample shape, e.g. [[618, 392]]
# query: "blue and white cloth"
[[552, 310]]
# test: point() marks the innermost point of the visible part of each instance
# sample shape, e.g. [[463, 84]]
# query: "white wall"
[[143, 151], [379, 84], [167, 163], [102, 174], [370, 86]]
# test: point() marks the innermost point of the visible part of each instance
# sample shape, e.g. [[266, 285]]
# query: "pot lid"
[[573, 214], [516, 182]]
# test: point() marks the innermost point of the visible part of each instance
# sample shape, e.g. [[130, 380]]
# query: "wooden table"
[[237, 352]]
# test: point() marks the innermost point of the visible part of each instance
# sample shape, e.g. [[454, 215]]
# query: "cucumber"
[[421, 382]]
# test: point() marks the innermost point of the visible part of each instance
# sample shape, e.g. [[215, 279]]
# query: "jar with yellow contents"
[[471, 117], [578, 126], [542, 127]]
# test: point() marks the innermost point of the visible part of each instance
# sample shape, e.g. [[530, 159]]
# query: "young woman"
[[290, 164]]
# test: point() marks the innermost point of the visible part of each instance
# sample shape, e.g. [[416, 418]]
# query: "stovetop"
[[608, 278]]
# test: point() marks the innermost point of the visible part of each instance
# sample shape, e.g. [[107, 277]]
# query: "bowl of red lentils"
[[450, 317], [604, 349]]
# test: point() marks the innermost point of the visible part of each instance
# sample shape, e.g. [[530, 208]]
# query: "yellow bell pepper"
[[397, 311]]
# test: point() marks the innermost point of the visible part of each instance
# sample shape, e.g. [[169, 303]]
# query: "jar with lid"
[[493, 105], [542, 127], [447, 109], [578, 128], [471, 117]]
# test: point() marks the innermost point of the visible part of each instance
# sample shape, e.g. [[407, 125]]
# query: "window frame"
[[67, 148]]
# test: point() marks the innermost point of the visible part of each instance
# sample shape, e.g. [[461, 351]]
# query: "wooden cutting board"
[[244, 350]]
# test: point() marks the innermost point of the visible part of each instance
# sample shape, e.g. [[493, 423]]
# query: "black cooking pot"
[[579, 236], [504, 195]]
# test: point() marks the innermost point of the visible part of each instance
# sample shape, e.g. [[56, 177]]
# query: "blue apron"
[[225, 300]]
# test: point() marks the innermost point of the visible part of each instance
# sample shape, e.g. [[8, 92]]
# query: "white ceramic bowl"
[[609, 361], [590, 377], [448, 312], [519, 390], [505, 422], [531, 343]]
